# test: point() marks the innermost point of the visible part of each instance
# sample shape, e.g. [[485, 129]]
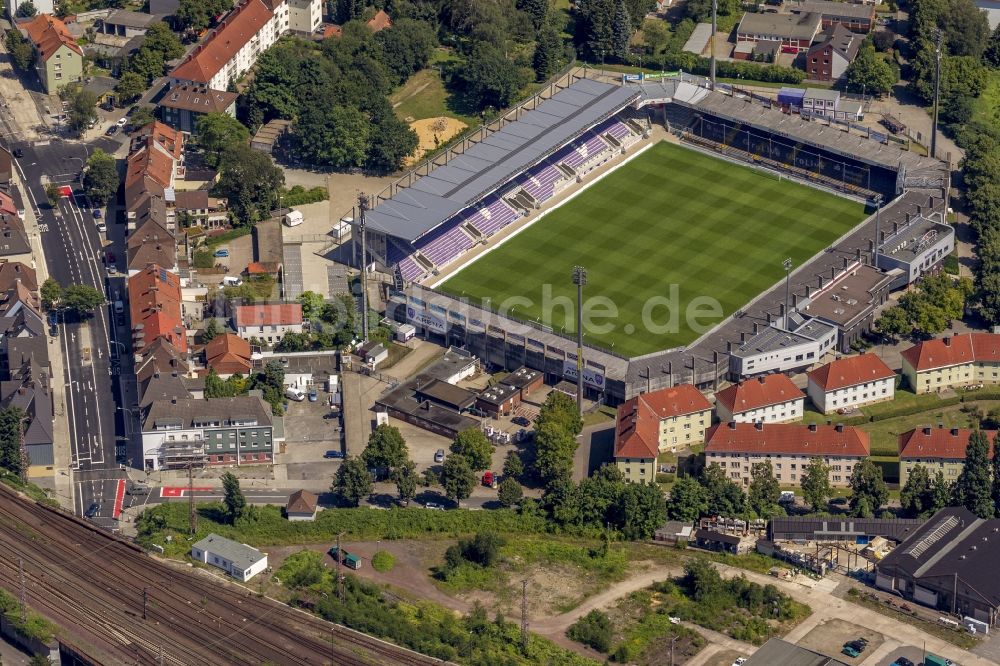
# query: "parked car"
[[434, 505], [903, 661], [298, 395], [333, 454], [521, 421], [101, 227], [121, 122], [18, 153], [92, 510], [112, 269], [97, 213], [740, 661], [112, 130], [313, 395], [439, 456], [849, 651], [488, 479], [221, 252], [138, 489]]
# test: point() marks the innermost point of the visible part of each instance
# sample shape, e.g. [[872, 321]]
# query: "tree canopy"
[[250, 182], [386, 449], [353, 482], [868, 490], [474, 445], [100, 177], [217, 133]]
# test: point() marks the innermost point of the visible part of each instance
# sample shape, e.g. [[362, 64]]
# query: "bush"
[[383, 561], [594, 630], [299, 196], [203, 259]]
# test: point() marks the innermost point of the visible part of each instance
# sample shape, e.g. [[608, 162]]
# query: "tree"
[[561, 409], [53, 194], [312, 305], [405, 477], [725, 498], [21, 52], [869, 73], [991, 54], [26, 9], [815, 483], [81, 299], [764, 491], [916, 496], [129, 88], [868, 490], [893, 323], [216, 133], [81, 107], [250, 182], [640, 510], [196, 15], [211, 330], [594, 630], [143, 116], [538, 10], [621, 31], [390, 142], [655, 35], [386, 448], [510, 492], [100, 177], [236, 503], [50, 292], [554, 451], [548, 49], [966, 28], [353, 481], [11, 424], [940, 492], [457, 477], [161, 39], [489, 78], [513, 467], [974, 485], [475, 447], [688, 500], [147, 64], [335, 137], [348, 10]]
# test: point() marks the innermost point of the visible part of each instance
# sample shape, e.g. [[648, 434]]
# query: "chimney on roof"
[[173, 401], [795, 300], [927, 430], [833, 272], [871, 245], [761, 379], [743, 337], [819, 282], [940, 426], [881, 237], [729, 346], [732, 425], [812, 427], [947, 341], [895, 227], [920, 211], [781, 310], [756, 328], [840, 427], [759, 426], [846, 262], [857, 254], [769, 318], [954, 432]]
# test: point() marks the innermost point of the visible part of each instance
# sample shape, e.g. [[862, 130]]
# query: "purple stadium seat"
[[444, 244], [492, 217]]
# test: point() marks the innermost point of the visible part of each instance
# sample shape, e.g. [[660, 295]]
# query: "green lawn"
[[674, 233]]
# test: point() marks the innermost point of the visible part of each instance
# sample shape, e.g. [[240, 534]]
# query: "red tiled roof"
[[48, 33], [301, 501], [154, 295], [636, 431], [676, 400], [273, 314], [953, 350], [787, 439], [850, 371], [760, 392], [223, 43], [228, 354], [947, 443], [380, 21], [170, 139], [332, 31], [263, 268]]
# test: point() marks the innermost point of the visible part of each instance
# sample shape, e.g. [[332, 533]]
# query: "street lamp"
[[787, 265], [579, 279]]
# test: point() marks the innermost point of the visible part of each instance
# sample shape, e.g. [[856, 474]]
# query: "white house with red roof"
[[659, 421], [267, 322], [789, 447], [767, 399], [851, 382], [953, 361]]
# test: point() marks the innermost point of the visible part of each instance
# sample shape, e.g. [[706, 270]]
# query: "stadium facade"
[[428, 221]]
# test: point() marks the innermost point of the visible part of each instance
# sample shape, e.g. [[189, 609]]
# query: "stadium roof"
[[499, 157]]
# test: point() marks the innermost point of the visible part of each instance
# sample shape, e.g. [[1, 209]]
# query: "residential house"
[[379, 22], [789, 447], [795, 32], [151, 243], [183, 105], [767, 399], [213, 431], [14, 244], [154, 295], [938, 449], [229, 355], [268, 322], [859, 18], [948, 564], [851, 382], [14, 272], [6, 167], [302, 506], [58, 58], [238, 560], [233, 47], [952, 361], [827, 59], [197, 208]]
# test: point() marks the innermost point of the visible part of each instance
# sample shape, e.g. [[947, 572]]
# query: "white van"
[[231, 281], [293, 218], [298, 395]]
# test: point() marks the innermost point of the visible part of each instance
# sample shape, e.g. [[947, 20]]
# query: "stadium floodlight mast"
[[363, 208], [714, 25], [937, 92], [579, 279], [787, 265]]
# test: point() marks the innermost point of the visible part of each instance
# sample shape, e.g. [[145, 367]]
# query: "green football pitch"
[[670, 234]]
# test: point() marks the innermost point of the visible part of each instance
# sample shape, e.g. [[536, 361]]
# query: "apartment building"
[[851, 382], [58, 58], [938, 449], [767, 399], [953, 361]]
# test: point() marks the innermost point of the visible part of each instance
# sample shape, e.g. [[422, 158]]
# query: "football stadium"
[[668, 193]]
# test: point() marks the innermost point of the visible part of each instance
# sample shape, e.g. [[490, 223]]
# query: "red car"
[[109, 257]]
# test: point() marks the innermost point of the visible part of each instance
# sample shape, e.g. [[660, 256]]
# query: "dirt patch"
[[829, 637], [723, 658], [433, 133]]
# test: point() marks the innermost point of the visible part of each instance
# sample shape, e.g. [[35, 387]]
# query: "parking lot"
[[309, 433], [423, 445], [829, 638]]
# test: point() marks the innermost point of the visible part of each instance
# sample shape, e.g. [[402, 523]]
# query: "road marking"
[[119, 499], [43, 228], [181, 491]]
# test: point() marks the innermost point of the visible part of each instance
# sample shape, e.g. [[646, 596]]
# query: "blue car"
[[313, 396], [222, 252]]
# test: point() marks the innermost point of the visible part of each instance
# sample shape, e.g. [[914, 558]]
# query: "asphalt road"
[[91, 350]]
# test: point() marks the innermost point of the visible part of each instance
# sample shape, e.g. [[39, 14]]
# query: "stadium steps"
[[423, 261], [472, 231], [635, 126], [566, 169]]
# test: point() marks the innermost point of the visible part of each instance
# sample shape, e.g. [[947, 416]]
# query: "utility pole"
[[672, 641], [23, 592], [714, 25], [579, 279], [524, 615], [145, 600], [363, 208], [787, 265], [937, 92], [192, 512]]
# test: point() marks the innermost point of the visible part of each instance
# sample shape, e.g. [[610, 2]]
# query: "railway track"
[[91, 584]]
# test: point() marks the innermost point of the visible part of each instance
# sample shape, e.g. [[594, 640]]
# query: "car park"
[[92, 510], [331, 454]]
